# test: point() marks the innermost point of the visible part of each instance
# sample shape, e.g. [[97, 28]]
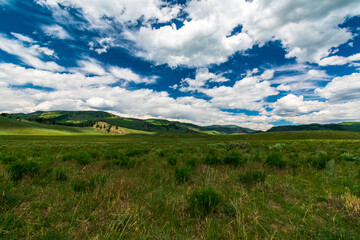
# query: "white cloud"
[[75, 91], [268, 74], [202, 77], [298, 78], [283, 87], [22, 37], [31, 55], [128, 75], [101, 45], [308, 30], [292, 105], [90, 66], [248, 93], [121, 10], [339, 60], [342, 89], [56, 31]]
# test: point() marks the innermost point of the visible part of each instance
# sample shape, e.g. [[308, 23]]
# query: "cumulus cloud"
[[128, 75], [202, 77], [307, 30], [339, 60], [342, 98], [248, 93], [56, 31], [292, 105], [121, 10], [29, 54], [75, 91], [342, 89], [101, 45]]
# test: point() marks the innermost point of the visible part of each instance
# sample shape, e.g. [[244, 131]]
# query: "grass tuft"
[[19, 169], [276, 159], [203, 201], [251, 177]]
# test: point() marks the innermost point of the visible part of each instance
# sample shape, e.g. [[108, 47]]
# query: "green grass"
[[130, 186], [15, 127]]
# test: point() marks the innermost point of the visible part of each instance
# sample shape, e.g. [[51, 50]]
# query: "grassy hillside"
[[89, 118], [250, 186], [346, 126], [9, 126]]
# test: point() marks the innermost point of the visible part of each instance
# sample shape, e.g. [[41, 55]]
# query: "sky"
[[252, 63]]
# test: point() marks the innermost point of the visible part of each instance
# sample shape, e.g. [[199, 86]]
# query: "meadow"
[[285, 185]]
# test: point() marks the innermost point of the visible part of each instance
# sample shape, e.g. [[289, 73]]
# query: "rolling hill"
[[91, 118], [11, 126], [344, 126]]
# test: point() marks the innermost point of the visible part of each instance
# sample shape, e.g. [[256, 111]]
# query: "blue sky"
[[253, 63]]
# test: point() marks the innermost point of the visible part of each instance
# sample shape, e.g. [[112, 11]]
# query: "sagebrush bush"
[[60, 175], [234, 158], [319, 161], [192, 162], [277, 147], [349, 157], [276, 159], [172, 160], [19, 169], [330, 165], [212, 157], [182, 174], [203, 201], [251, 177]]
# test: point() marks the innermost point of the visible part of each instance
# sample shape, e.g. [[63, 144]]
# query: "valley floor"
[[297, 185]]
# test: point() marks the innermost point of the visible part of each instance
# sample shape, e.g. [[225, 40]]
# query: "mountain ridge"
[[91, 118]]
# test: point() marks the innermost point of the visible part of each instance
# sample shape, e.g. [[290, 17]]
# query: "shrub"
[[349, 157], [277, 147], [203, 201], [330, 165], [212, 157], [67, 157], [124, 161], [112, 154], [60, 175], [172, 160], [162, 153], [8, 159], [320, 160], [235, 158], [276, 159], [83, 158], [136, 151], [192, 162], [182, 174], [18, 169], [252, 177]]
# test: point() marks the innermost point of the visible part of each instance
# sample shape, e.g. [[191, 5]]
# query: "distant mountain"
[[344, 126], [13, 126], [93, 118]]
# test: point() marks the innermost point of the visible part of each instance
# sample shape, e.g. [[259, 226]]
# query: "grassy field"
[[287, 185]]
